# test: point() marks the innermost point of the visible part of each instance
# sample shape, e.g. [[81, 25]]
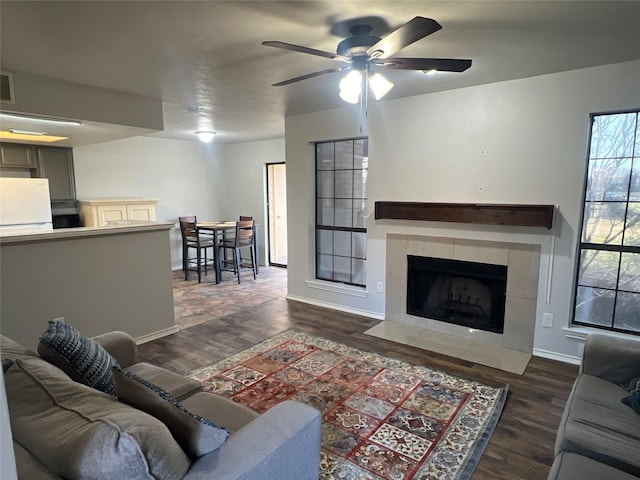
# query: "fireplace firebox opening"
[[465, 293]]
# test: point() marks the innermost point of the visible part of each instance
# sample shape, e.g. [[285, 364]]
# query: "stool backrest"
[[244, 232]]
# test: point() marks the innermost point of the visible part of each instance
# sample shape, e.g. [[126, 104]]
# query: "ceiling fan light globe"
[[380, 85], [350, 97], [352, 82]]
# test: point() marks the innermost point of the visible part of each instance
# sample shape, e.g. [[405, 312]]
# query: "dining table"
[[219, 229]]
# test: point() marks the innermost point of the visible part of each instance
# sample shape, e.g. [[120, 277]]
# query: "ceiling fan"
[[363, 52]]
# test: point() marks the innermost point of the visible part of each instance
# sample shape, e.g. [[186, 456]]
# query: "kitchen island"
[[116, 277]]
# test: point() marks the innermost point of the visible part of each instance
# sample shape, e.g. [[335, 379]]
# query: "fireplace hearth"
[[465, 293]]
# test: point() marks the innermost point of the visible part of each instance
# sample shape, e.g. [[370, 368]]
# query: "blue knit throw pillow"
[[633, 401], [633, 385], [80, 357]]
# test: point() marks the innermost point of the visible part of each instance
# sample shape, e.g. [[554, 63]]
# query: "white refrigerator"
[[25, 206]]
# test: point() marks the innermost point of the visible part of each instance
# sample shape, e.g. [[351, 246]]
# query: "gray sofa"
[[599, 436], [64, 429]]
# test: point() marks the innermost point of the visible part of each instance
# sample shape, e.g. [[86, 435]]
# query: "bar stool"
[[243, 240], [192, 239]]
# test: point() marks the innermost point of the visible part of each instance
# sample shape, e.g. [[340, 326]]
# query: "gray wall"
[[98, 284], [521, 141]]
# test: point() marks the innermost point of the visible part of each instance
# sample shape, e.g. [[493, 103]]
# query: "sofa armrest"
[[615, 359], [282, 443], [121, 346]]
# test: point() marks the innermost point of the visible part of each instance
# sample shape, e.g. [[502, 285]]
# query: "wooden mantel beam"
[[478, 213]]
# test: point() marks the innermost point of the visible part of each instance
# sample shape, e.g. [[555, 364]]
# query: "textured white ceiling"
[[207, 54]]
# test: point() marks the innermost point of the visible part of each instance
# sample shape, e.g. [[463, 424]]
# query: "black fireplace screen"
[[465, 293]]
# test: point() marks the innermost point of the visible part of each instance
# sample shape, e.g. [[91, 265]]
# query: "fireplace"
[[465, 293]]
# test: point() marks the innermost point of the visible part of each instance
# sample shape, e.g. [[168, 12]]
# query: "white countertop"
[[116, 201], [71, 233]]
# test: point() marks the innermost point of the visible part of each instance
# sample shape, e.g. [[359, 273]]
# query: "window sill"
[[581, 333], [338, 288]]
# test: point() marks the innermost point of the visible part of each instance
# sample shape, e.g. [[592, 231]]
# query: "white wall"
[[187, 178], [521, 141], [243, 172], [183, 176]]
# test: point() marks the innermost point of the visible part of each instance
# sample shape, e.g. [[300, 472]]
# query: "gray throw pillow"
[[82, 358], [195, 434]]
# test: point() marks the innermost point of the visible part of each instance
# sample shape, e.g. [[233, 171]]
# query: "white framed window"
[[608, 275], [341, 210]]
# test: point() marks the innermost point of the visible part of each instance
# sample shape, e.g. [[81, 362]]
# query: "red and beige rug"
[[382, 418]]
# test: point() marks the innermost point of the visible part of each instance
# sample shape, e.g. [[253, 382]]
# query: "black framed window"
[[608, 275], [341, 210]]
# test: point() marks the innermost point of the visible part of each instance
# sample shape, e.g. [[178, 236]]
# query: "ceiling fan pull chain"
[[364, 100]]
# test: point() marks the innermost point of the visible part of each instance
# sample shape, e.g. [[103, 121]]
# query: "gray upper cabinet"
[[17, 155], [56, 164], [53, 163]]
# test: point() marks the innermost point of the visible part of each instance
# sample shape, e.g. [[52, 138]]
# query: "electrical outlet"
[[380, 287], [547, 320]]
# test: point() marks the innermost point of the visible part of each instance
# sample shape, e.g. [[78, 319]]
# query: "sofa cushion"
[[177, 385], [79, 432], [597, 424], [28, 466], [633, 401], [571, 466], [83, 359], [10, 349], [195, 434], [6, 363]]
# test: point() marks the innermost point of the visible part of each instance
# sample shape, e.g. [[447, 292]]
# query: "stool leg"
[[236, 262], [199, 257], [253, 261], [185, 260]]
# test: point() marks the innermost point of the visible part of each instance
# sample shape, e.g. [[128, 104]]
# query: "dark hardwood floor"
[[521, 447]]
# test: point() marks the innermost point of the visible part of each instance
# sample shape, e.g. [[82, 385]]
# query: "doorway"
[[277, 213]]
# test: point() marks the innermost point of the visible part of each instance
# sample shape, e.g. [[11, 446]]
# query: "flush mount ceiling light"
[[26, 132], [38, 118], [205, 136], [30, 136]]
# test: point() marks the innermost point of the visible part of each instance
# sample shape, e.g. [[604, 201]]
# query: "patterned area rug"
[[382, 418]]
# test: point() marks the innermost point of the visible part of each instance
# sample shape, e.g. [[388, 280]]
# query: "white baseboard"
[[156, 335], [333, 306], [560, 357]]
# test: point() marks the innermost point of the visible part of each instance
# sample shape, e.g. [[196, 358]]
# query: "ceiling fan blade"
[[440, 64], [307, 76], [412, 31], [301, 49]]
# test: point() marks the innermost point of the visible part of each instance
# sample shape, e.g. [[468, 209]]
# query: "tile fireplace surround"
[[510, 350]]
